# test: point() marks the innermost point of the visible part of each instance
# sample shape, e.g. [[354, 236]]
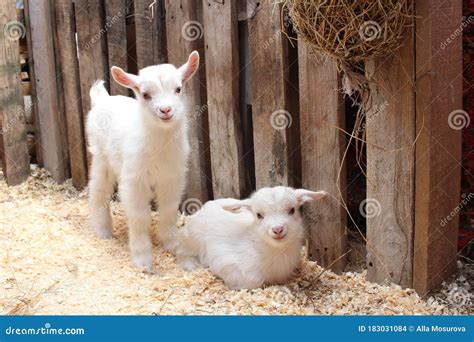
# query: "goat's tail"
[[97, 91]]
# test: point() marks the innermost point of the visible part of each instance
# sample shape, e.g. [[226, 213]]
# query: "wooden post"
[[322, 146], [150, 32], [72, 91], [390, 129], [271, 119], [116, 40], [92, 47], [60, 94], [31, 71], [47, 97], [184, 33], [222, 75], [15, 158], [440, 120]]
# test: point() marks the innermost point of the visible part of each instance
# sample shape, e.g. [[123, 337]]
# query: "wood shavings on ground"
[[51, 263]]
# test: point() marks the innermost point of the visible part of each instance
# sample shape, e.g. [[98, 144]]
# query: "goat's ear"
[[125, 79], [237, 206], [189, 68], [303, 195]]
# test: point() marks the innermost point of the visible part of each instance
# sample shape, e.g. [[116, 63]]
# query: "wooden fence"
[[265, 112]]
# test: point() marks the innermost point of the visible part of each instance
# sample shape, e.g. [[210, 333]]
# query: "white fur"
[[133, 145], [235, 238]]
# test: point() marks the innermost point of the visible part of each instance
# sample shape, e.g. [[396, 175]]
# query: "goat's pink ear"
[[189, 68], [237, 206], [125, 79], [303, 195]]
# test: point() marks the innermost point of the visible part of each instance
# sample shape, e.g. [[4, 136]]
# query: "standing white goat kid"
[[247, 243], [142, 144]]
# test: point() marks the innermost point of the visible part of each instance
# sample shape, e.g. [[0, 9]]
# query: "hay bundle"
[[350, 31]]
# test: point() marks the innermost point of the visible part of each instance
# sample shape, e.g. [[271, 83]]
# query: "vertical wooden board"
[[116, 40], [72, 91], [438, 150], [268, 58], [390, 129], [222, 70], [245, 106], [60, 94], [150, 32], [91, 46], [15, 158], [322, 148], [31, 71], [183, 35], [47, 90]]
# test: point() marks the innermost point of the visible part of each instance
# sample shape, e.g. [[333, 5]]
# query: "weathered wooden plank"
[[222, 70], [322, 148], [92, 47], [150, 32], [180, 16], [15, 158], [438, 149], [72, 91], [269, 66], [390, 128], [116, 40], [60, 94], [31, 71], [54, 155], [245, 92]]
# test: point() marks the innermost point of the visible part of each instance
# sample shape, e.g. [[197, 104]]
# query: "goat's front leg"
[[169, 195], [136, 201]]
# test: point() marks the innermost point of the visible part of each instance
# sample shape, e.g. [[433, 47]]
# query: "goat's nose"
[[165, 110], [277, 230]]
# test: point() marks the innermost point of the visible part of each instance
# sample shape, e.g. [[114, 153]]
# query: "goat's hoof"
[[189, 264], [104, 233], [143, 260], [170, 247]]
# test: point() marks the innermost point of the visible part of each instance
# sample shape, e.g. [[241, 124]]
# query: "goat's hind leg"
[[101, 188]]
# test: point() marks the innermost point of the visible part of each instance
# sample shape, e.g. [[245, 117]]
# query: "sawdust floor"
[[50, 263]]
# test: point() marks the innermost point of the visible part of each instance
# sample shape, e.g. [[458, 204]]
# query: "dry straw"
[[350, 31]]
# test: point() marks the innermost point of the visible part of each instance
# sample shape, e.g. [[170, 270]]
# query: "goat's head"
[[277, 212], [160, 89]]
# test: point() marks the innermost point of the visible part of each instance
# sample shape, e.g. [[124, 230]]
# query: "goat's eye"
[[178, 90], [146, 96], [292, 211], [259, 216]]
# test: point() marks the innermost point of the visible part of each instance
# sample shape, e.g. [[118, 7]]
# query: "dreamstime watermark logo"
[[192, 30], [102, 122], [14, 30], [458, 119], [191, 206], [373, 115], [47, 329], [458, 296], [465, 23], [283, 296], [370, 30], [457, 209], [18, 115], [108, 23], [370, 208], [198, 112], [281, 119]]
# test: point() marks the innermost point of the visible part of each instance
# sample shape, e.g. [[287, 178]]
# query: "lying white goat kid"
[[250, 242], [142, 144]]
